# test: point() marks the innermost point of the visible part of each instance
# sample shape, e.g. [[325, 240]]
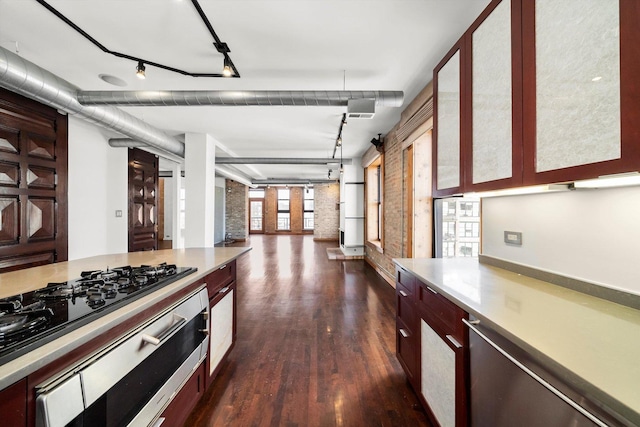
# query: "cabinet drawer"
[[443, 315], [406, 279], [224, 275], [406, 350], [405, 306]]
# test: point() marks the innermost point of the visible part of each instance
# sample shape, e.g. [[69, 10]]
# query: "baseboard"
[[389, 279]]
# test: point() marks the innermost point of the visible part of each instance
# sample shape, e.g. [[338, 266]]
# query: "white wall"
[[592, 235], [97, 188], [220, 206], [168, 209]]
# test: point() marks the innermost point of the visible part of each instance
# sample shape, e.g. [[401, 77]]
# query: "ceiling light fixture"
[[217, 43], [140, 70], [339, 137], [226, 71], [378, 143]]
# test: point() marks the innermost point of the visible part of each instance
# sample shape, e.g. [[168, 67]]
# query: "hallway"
[[316, 344]]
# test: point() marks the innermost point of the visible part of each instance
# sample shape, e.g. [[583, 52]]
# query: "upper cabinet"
[[581, 94], [448, 127], [548, 93], [494, 149]]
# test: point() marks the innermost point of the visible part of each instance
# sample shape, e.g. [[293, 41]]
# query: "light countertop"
[[595, 339], [205, 260]]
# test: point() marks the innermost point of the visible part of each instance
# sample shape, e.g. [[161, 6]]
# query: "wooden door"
[[33, 183], [256, 216], [143, 201]]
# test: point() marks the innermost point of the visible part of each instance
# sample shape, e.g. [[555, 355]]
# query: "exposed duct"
[[275, 161], [28, 79], [228, 98], [130, 143], [229, 174]]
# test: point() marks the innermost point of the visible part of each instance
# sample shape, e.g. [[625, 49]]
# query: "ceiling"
[[275, 45]]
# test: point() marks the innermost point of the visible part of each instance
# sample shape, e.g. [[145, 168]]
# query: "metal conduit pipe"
[[239, 98], [28, 79], [276, 161]]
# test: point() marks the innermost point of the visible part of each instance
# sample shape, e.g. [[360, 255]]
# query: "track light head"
[[226, 71], [378, 142], [339, 142], [140, 70]]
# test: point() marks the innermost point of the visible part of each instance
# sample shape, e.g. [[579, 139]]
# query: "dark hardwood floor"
[[315, 347]]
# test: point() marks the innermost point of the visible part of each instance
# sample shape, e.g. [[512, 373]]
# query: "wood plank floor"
[[316, 344]]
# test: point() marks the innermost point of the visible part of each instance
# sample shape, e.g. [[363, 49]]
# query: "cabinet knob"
[[404, 333], [403, 293]]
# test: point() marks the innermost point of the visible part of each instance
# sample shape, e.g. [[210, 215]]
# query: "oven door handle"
[[178, 321]]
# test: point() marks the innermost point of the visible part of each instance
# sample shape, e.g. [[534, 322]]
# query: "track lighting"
[[140, 70], [226, 71], [339, 142]]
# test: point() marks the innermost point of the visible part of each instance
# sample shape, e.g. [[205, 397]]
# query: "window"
[[284, 213], [307, 209], [375, 200], [457, 226], [256, 193]]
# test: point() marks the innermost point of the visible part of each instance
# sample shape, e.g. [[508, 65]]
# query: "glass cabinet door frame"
[[515, 179], [629, 159], [460, 49]]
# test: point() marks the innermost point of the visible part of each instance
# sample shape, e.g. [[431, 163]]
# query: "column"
[[199, 183]]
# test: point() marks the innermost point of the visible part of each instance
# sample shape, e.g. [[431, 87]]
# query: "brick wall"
[[237, 210], [394, 197], [295, 205], [326, 215]]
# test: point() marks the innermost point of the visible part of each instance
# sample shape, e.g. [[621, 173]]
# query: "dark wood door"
[[33, 183], [143, 201]]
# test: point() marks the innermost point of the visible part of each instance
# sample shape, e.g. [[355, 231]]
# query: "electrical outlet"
[[118, 214], [513, 238]]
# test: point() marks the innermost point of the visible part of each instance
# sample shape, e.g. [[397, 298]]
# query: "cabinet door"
[[221, 329], [581, 61], [438, 376], [495, 81], [448, 130], [183, 403], [13, 404]]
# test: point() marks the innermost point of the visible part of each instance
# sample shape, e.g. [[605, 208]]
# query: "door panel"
[[143, 201], [33, 183]]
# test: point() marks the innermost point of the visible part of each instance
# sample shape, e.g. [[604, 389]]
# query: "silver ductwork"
[[32, 81], [243, 98], [275, 161]]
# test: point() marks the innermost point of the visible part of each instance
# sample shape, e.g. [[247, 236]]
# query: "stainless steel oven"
[[132, 381]]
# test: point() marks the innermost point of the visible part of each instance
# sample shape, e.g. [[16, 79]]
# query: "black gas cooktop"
[[34, 318]]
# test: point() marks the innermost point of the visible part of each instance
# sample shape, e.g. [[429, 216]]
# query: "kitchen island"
[[589, 343], [214, 271]]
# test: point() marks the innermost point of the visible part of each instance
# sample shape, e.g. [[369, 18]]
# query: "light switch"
[[118, 214], [513, 238]]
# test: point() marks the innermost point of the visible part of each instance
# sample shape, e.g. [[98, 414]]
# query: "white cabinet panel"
[[438, 375], [577, 82], [448, 122], [492, 96], [220, 330]]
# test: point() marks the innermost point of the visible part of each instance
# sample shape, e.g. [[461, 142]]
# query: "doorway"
[[143, 201], [256, 216]]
